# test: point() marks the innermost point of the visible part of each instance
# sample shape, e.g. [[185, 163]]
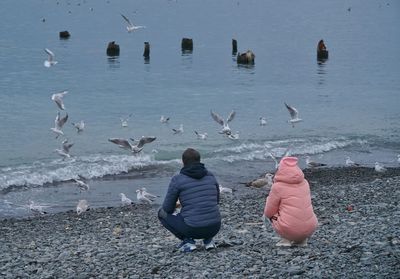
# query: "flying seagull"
[[58, 124], [58, 99], [222, 122], [131, 27], [202, 136], [164, 119], [124, 143], [79, 126], [294, 115], [179, 130], [50, 61]]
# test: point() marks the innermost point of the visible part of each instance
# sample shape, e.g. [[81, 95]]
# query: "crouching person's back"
[[195, 191]]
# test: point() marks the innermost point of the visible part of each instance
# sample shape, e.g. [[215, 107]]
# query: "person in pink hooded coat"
[[288, 205]]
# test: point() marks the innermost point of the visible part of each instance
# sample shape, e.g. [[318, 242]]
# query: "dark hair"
[[190, 156]]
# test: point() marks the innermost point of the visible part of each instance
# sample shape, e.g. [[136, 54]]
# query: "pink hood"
[[288, 204]]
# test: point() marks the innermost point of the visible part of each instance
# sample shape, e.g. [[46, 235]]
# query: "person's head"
[[190, 156]]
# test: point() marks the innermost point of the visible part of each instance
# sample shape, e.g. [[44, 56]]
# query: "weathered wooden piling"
[[234, 47], [112, 49], [187, 44], [146, 52], [246, 58], [64, 34]]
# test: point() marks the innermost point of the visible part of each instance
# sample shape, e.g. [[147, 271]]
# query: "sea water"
[[348, 103]]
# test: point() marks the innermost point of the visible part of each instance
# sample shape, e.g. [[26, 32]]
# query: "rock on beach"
[[129, 242]]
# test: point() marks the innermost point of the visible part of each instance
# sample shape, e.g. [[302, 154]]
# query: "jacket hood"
[[288, 171], [195, 170]]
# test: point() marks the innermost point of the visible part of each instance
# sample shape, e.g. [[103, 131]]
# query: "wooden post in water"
[[112, 49], [146, 53], [187, 44], [64, 34], [234, 47]]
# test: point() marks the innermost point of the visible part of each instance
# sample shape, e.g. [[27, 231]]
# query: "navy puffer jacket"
[[198, 192]]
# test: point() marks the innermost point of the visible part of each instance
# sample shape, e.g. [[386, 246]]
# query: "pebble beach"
[[358, 237]]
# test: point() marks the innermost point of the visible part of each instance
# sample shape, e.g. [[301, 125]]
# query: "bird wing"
[[62, 120], [67, 146], [123, 143], [127, 20], [145, 140], [217, 118], [50, 53], [231, 116], [292, 110]]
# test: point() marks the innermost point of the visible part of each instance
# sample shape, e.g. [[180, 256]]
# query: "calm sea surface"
[[349, 103]]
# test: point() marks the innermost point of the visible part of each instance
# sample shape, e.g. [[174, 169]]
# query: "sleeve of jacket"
[[171, 197], [272, 203]]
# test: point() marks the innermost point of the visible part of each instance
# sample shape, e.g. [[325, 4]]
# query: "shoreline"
[[129, 242]]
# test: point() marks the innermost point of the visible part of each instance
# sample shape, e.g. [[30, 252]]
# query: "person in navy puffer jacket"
[[197, 191]]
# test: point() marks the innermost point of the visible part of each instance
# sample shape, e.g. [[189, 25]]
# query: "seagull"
[[225, 189], [131, 27], [58, 99], [261, 182], [37, 209], [263, 121], [233, 136], [379, 167], [274, 159], [124, 121], [179, 130], [50, 61], [123, 143], [62, 153], [351, 163], [125, 200], [148, 195], [66, 146], [82, 206], [164, 119], [202, 136], [141, 197], [294, 115], [58, 124], [224, 124], [80, 126], [83, 186], [312, 164]]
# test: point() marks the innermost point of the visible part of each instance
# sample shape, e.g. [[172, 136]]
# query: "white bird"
[[125, 200], [83, 186], [66, 145], [179, 130], [164, 119], [58, 124], [141, 197], [148, 195], [263, 121], [351, 163], [37, 209], [379, 167], [274, 159], [123, 143], [222, 122], [233, 136], [50, 61], [62, 153], [294, 115], [80, 126], [266, 181], [131, 27], [124, 121], [224, 189], [82, 207], [58, 99], [202, 136], [312, 164]]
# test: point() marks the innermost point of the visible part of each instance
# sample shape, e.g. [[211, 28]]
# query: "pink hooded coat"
[[289, 203]]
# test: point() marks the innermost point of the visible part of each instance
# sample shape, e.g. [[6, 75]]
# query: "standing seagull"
[[379, 167], [58, 124], [131, 27], [224, 124], [141, 197], [148, 195], [82, 207], [294, 115], [351, 163], [50, 61], [58, 99], [124, 143], [125, 200]]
